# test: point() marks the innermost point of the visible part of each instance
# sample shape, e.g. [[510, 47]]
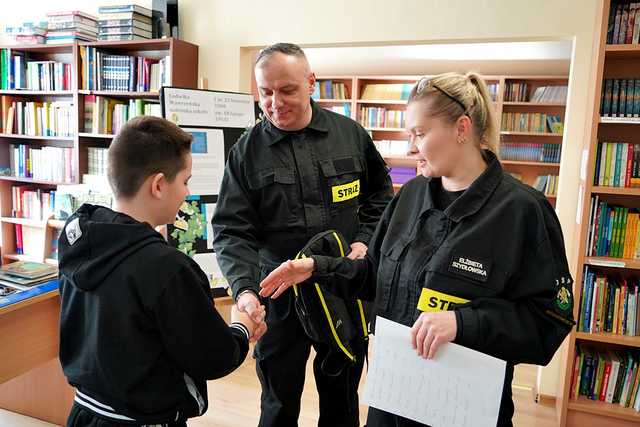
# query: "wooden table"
[[31, 379]]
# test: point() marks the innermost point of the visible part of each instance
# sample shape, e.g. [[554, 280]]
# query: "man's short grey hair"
[[285, 48]]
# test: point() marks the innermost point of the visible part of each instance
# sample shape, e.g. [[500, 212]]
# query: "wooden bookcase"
[[528, 170], [37, 235], [613, 61]]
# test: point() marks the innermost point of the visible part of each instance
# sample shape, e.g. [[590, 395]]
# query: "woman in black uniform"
[[464, 252]]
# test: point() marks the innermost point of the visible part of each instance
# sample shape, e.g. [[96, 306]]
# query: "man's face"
[[285, 85]]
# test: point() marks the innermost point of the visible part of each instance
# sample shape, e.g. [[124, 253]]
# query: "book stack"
[[43, 163], [617, 164], [25, 274], [343, 109], [71, 26], [530, 152], [28, 32], [124, 22], [614, 231], [609, 304], [401, 175], [611, 376]]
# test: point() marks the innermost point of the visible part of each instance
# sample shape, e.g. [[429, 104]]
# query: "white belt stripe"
[[97, 410]]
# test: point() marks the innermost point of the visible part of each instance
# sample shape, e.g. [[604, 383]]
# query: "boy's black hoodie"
[[139, 335]]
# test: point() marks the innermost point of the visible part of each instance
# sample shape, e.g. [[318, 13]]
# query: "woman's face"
[[433, 141]]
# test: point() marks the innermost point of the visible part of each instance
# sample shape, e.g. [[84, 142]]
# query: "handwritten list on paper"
[[460, 387]]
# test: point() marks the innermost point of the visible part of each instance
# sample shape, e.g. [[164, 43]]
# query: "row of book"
[[611, 376], [530, 152], [620, 98], [107, 115], [30, 202], [614, 231], [609, 304], [547, 184], [16, 72], [386, 91], [46, 163], [617, 165], [343, 109], [101, 71], [396, 148], [532, 122], [380, 117], [97, 161], [516, 92], [624, 23], [329, 89], [554, 93], [55, 118]]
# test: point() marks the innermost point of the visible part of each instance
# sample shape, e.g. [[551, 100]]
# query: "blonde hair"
[[452, 95]]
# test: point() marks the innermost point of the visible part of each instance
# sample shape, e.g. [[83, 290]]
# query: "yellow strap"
[[361, 309], [333, 329]]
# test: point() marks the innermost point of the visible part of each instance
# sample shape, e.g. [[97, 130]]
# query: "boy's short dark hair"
[[145, 145]]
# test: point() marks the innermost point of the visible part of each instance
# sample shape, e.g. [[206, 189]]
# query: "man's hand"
[[286, 275], [431, 330], [358, 250]]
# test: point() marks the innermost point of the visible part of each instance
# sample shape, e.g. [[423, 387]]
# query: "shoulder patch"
[[73, 231]]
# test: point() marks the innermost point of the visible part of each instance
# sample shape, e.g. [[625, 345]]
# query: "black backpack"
[[325, 317]]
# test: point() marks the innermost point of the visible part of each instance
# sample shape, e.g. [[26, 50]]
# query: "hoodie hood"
[[95, 240]]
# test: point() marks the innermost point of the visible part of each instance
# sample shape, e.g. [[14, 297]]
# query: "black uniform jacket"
[[282, 188], [138, 331], [496, 256]]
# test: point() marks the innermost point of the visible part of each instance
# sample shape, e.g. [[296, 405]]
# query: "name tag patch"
[[344, 192], [471, 267], [431, 301]]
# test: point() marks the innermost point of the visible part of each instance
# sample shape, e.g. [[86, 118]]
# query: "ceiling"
[[512, 58]]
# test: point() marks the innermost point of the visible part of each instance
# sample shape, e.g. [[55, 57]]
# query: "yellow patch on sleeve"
[[432, 301], [344, 192]]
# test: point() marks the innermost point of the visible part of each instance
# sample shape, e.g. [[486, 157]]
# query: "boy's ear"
[[158, 182]]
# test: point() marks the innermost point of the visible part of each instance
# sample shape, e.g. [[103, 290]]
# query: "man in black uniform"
[[302, 171]]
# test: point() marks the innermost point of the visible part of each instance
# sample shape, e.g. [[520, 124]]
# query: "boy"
[[139, 335]]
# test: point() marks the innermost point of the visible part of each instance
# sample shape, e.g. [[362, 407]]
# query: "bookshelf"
[[378, 109], [38, 235], [591, 336]]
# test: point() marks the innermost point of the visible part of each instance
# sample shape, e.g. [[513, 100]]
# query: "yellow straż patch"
[[344, 192]]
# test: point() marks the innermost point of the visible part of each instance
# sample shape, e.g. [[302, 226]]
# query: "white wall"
[[222, 28]]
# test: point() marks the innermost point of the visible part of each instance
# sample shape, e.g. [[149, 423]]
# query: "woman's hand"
[[286, 275], [431, 330]]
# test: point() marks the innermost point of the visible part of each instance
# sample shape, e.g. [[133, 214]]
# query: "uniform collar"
[[476, 195], [318, 123]]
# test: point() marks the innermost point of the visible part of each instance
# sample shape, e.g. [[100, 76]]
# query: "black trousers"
[[81, 417], [281, 357]]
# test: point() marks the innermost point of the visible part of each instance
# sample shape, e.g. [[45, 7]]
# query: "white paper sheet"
[[460, 387], [208, 262], [207, 153]]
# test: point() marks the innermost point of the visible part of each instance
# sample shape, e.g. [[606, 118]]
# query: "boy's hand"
[[256, 329], [248, 303]]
